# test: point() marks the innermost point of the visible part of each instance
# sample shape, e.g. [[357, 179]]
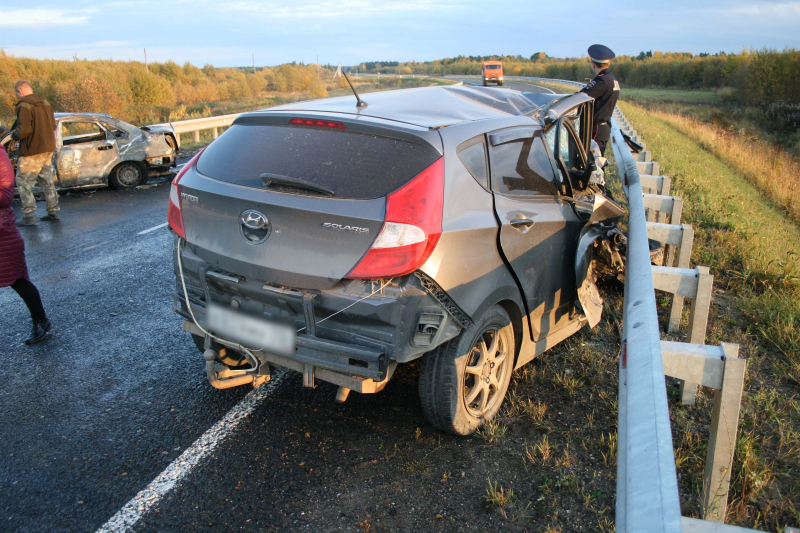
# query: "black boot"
[[39, 331]]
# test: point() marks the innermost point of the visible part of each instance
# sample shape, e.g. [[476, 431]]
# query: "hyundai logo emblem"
[[254, 226], [254, 220]]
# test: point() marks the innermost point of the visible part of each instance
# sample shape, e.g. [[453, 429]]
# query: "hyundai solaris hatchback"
[[455, 225]]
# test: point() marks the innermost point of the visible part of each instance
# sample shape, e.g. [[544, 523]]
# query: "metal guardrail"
[[647, 483], [196, 125]]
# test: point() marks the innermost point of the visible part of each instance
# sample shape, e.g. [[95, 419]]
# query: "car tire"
[[485, 83], [127, 175], [500, 83], [463, 382]]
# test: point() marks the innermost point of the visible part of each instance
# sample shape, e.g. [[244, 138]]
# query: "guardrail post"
[[674, 218], [684, 255], [196, 135], [722, 436], [215, 132], [698, 325], [656, 184]]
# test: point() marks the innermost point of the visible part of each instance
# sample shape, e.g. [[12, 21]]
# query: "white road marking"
[[545, 88], [153, 228], [181, 467]]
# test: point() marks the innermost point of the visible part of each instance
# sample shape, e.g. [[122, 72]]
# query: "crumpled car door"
[[571, 142]]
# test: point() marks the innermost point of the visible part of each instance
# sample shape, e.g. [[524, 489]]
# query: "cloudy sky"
[[226, 33]]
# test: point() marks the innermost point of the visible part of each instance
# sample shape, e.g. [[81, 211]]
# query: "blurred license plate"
[[251, 331]]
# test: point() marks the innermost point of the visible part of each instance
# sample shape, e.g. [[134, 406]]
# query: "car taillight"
[[411, 228], [174, 215]]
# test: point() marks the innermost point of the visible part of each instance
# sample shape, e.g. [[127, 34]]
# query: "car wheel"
[[127, 175], [485, 83], [462, 383], [500, 83]]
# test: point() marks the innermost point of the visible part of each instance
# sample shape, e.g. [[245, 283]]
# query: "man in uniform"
[[35, 129], [604, 88]]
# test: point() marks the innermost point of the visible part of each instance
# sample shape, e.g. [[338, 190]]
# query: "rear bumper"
[[356, 329], [364, 385]]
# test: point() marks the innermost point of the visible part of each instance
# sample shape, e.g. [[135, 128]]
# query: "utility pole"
[[145, 61]]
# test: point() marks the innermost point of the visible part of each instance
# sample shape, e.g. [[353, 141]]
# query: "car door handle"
[[520, 223], [104, 147]]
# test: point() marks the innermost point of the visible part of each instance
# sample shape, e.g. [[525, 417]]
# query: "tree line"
[[754, 77], [141, 93]]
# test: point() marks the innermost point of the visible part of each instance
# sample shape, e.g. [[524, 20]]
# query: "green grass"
[[681, 96]]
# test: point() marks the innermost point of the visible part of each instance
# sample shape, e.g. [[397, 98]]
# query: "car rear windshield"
[[352, 165]]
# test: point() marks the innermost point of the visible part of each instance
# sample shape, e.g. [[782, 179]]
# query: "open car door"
[[569, 136]]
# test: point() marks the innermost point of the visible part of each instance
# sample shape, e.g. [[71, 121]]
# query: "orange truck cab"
[[492, 72]]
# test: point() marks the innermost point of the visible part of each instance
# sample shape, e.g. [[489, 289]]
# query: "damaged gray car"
[[458, 226], [95, 149]]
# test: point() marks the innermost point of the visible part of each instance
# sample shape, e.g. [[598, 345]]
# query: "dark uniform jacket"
[[35, 127], [604, 88]]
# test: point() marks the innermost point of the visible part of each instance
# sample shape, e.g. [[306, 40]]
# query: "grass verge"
[[752, 248]]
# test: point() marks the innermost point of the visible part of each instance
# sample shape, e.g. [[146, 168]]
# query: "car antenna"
[[361, 103]]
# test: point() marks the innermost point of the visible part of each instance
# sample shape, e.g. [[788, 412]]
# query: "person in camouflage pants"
[[35, 130]]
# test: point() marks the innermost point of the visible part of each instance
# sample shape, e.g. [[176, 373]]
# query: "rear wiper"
[[294, 183]]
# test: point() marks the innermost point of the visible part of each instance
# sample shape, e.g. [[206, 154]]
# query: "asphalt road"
[[117, 396], [515, 85]]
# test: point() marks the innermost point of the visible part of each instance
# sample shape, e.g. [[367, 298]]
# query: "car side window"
[[569, 150], [81, 132], [473, 154], [521, 167], [116, 132]]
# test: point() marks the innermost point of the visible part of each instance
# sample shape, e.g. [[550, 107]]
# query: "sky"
[[230, 33]]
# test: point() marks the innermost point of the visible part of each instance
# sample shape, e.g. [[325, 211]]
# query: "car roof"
[[93, 116], [429, 107]]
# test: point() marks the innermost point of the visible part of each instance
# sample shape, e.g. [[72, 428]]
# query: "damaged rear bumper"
[[352, 335]]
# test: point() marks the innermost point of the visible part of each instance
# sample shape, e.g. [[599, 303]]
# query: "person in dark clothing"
[[604, 88], [13, 270], [35, 129]]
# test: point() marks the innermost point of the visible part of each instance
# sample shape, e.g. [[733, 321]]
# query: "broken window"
[[81, 132]]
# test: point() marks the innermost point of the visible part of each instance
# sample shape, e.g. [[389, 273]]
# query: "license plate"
[[250, 331]]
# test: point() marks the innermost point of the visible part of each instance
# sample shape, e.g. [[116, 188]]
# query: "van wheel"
[[462, 383], [127, 175]]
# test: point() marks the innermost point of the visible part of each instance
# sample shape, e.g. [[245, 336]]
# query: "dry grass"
[[767, 167]]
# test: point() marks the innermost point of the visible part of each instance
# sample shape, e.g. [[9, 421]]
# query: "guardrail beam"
[[647, 497]]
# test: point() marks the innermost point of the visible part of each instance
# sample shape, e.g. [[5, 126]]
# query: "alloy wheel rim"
[[487, 365]]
